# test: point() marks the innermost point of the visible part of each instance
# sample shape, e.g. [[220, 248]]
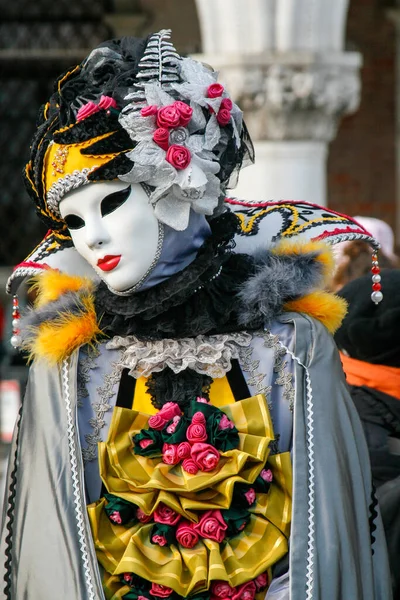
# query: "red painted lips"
[[109, 262]]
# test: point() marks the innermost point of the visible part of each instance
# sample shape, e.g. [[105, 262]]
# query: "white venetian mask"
[[114, 228]]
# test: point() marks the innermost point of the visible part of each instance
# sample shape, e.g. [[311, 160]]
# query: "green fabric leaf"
[[236, 519], [179, 434], [117, 507], [153, 449], [222, 439], [167, 531]]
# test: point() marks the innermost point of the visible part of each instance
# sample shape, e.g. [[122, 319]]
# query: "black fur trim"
[[167, 386], [93, 126], [110, 170], [116, 142]]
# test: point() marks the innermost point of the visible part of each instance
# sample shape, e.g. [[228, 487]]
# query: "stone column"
[[282, 63]]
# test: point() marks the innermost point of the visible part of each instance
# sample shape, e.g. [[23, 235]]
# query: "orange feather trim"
[[324, 306]]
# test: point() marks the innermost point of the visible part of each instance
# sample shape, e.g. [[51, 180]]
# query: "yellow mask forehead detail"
[[64, 160]]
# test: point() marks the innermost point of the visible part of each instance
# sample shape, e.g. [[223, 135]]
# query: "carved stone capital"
[[293, 96]]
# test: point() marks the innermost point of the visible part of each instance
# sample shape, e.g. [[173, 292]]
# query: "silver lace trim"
[[87, 362], [256, 378], [78, 500], [64, 185], [209, 355], [105, 392]]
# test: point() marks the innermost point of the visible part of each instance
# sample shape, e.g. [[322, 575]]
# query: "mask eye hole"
[[114, 201], [74, 222]]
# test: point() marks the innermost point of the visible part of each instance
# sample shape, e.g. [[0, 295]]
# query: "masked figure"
[[187, 431]]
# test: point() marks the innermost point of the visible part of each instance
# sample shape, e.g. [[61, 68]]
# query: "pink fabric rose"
[[170, 410], [115, 517], [178, 156], [161, 591], [128, 577], [250, 496], [225, 423], [212, 526], [145, 443], [266, 474], [159, 540], [196, 432], [198, 417], [86, 110], [168, 116], [184, 449], [190, 466], [157, 422], [261, 582], [149, 111], [246, 591], [172, 426], [227, 103], [185, 112], [161, 137], [202, 400], [223, 117], [170, 454], [142, 598], [222, 589], [205, 456], [215, 90], [107, 102], [142, 517], [165, 514], [186, 536]]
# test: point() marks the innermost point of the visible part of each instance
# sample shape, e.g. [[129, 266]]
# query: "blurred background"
[[318, 80]]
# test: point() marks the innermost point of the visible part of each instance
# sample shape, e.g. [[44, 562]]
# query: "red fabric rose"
[[198, 417], [107, 102], [178, 156], [145, 443], [161, 137], [223, 117], [215, 90], [222, 589], [170, 454], [261, 582], [165, 514], [246, 591], [86, 110], [115, 517], [185, 112], [157, 422], [184, 449], [142, 517], [159, 539], [205, 456], [196, 432], [202, 400], [186, 536], [170, 410], [148, 111], [172, 426], [225, 423], [161, 591], [168, 116], [190, 466], [212, 526], [266, 474], [227, 103], [250, 496]]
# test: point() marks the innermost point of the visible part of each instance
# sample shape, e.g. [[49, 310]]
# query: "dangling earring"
[[16, 316], [376, 295]]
